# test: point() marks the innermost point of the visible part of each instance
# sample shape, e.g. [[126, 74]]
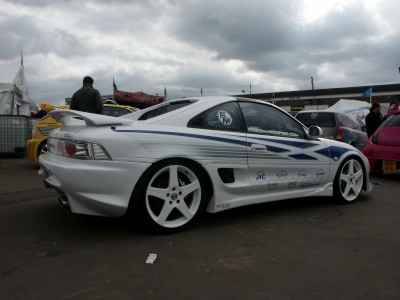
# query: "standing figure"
[[87, 98], [374, 119], [394, 109]]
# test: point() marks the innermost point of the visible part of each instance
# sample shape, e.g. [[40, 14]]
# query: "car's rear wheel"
[[171, 196], [349, 180]]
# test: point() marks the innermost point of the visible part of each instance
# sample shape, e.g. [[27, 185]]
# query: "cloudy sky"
[[221, 46]]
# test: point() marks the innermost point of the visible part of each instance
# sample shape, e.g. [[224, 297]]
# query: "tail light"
[[77, 149], [339, 135]]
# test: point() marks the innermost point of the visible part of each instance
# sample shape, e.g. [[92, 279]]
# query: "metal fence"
[[15, 131]]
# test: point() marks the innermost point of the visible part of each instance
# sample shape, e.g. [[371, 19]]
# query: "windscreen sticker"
[[254, 129], [224, 117]]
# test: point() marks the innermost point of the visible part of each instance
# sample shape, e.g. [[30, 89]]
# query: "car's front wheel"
[[349, 180], [171, 196]]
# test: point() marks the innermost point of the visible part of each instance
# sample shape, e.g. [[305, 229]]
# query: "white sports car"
[[170, 162]]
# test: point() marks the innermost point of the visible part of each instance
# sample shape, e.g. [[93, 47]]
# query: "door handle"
[[258, 147]]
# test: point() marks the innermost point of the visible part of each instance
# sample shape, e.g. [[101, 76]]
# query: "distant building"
[[385, 93]]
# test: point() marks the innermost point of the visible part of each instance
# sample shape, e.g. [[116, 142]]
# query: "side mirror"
[[315, 131]]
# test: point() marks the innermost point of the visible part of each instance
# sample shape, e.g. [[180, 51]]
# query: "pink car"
[[383, 147]]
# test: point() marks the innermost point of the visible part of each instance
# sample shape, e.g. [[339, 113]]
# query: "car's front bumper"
[[102, 188]]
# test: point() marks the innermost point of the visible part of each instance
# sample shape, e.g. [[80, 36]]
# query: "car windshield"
[[393, 121], [322, 119]]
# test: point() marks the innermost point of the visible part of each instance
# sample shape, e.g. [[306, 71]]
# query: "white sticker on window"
[[224, 117], [254, 129]]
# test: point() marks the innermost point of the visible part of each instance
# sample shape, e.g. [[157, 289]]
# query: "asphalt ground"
[[310, 248]]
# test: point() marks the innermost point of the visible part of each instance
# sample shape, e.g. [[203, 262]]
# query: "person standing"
[[87, 98], [394, 109], [374, 119]]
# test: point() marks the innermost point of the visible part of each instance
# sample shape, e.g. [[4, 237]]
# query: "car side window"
[[268, 120], [226, 116], [348, 121], [164, 109], [362, 125]]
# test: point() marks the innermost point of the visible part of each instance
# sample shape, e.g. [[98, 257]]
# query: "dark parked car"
[[338, 126]]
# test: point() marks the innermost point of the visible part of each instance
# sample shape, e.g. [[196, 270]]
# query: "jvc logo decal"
[[260, 176]]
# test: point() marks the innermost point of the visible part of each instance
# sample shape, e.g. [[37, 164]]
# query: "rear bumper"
[[101, 188], [377, 153]]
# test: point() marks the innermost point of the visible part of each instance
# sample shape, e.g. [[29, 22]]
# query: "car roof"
[[319, 111], [327, 112], [198, 105]]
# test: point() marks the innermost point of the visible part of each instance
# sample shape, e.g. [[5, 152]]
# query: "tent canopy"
[[355, 107], [14, 97], [348, 105], [10, 96]]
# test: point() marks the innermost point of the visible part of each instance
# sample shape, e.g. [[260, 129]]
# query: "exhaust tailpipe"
[[63, 201]]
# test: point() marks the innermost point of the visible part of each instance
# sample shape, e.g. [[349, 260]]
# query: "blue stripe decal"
[[199, 136], [275, 149], [333, 151], [234, 141], [302, 156], [301, 145]]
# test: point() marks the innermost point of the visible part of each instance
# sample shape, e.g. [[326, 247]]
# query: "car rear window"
[[393, 121], [165, 109], [321, 119]]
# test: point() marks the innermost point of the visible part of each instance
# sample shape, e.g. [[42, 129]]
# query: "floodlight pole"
[[312, 86]]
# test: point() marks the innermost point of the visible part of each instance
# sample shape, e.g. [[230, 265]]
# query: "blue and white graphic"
[[181, 157]]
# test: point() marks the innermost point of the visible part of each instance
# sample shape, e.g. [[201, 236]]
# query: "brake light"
[[77, 150], [70, 149], [339, 135]]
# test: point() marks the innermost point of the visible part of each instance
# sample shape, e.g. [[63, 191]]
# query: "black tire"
[[42, 149], [169, 204], [349, 180]]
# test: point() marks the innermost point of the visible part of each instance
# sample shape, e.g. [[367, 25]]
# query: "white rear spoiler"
[[74, 117]]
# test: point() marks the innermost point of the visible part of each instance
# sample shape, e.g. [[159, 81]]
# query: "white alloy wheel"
[[173, 196], [349, 180]]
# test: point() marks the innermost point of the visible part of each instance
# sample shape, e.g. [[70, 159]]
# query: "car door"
[[280, 156]]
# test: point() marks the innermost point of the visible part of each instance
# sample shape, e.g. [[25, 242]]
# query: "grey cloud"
[[194, 39], [21, 33], [234, 29]]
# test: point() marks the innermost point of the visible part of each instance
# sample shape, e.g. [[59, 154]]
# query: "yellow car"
[[38, 143]]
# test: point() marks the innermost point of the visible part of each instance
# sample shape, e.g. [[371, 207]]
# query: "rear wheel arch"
[[41, 148], [177, 160], [155, 195]]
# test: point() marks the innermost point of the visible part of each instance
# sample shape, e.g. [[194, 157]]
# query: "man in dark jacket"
[[87, 98], [374, 119]]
